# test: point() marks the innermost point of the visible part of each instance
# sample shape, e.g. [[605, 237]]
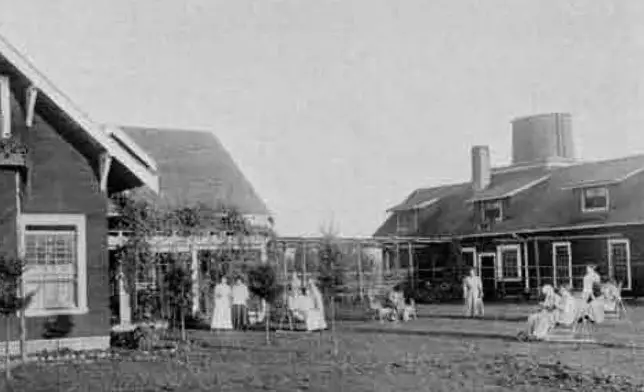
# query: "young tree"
[[178, 286], [263, 282], [11, 303]]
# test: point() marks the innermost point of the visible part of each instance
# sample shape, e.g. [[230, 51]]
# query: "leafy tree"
[[178, 286], [11, 302], [263, 282]]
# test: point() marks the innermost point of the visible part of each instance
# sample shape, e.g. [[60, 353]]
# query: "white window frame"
[[483, 209], [5, 107], [472, 251], [568, 247], [503, 248], [628, 285], [79, 222], [598, 209]]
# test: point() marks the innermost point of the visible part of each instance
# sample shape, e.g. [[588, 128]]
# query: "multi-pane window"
[[619, 260], [492, 210], [509, 262], [562, 263], [594, 199], [53, 250], [469, 257]]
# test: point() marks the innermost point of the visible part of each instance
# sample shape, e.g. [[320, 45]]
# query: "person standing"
[[473, 294], [240, 296], [591, 279], [221, 315]]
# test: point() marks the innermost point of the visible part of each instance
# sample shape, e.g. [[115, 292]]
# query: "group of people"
[[561, 307], [230, 305], [305, 303]]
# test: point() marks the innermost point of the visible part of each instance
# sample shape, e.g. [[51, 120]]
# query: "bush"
[[262, 282], [140, 338], [57, 327]]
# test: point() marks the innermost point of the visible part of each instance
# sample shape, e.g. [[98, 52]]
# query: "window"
[[406, 221], [5, 107], [54, 251], [509, 262], [469, 257], [492, 211], [594, 199], [561, 263], [619, 262]]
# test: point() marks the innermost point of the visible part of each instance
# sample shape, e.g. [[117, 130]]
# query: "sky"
[[337, 110]]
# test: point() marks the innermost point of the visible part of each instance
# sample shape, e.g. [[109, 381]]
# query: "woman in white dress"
[[222, 314], [316, 319]]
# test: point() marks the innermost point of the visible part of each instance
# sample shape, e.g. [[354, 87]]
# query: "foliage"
[[57, 327], [332, 271], [263, 282], [11, 270], [177, 283], [140, 338]]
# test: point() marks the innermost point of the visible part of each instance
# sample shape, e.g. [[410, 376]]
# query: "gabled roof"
[[128, 159], [547, 204], [422, 198], [196, 169], [508, 184]]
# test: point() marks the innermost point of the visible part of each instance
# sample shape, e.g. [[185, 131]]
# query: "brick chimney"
[[481, 167]]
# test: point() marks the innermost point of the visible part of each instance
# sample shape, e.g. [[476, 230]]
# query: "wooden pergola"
[[398, 243]]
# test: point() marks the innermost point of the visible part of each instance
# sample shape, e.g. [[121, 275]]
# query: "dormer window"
[[594, 199], [492, 210], [406, 221]]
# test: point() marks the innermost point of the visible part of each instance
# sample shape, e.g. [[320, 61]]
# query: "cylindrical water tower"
[[542, 138]]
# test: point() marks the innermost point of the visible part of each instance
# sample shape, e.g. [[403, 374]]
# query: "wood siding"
[[61, 180]]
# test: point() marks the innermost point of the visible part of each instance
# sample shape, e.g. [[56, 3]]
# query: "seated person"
[[569, 307], [296, 304], [611, 294], [397, 301], [544, 319]]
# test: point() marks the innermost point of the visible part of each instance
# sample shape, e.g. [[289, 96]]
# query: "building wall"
[[60, 181], [592, 249]]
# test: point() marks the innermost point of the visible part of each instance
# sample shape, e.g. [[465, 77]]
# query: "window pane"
[[510, 259], [53, 271], [620, 263], [468, 258], [562, 265], [595, 198]]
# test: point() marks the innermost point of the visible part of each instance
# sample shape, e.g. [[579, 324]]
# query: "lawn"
[[437, 352]]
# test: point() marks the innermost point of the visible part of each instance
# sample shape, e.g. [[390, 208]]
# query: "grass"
[[437, 352]]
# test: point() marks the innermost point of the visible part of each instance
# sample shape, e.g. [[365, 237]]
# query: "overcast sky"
[[336, 110]]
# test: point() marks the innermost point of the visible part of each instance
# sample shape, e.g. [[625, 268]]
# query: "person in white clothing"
[[316, 320], [240, 295], [221, 315], [591, 279]]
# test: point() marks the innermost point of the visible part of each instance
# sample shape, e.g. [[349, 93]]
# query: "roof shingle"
[[195, 168]]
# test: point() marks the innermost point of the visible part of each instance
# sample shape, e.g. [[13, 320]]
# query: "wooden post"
[[360, 277], [194, 271], [21, 288], [536, 262], [304, 270], [526, 261], [411, 265]]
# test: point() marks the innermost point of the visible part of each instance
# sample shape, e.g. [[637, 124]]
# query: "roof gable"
[[195, 168], [141, 167]]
